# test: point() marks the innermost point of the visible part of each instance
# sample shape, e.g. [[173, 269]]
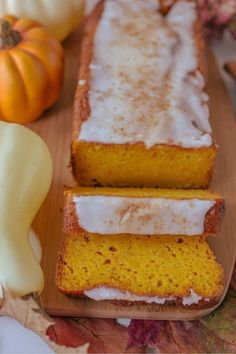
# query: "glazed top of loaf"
[[145, 84]]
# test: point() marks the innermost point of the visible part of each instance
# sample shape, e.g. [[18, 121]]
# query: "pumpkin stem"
[[8, 37]]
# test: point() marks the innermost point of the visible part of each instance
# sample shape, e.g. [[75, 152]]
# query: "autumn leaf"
[[103, 335], [194, 337], [215, 333], [154, 334], [178, 337], [30, 314], [223, 321]]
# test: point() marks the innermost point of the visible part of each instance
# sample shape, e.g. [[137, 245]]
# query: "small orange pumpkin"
[[31, 69]]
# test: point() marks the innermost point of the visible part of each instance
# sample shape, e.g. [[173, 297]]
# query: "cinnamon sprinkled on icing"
[[151, 216], [145, 85]]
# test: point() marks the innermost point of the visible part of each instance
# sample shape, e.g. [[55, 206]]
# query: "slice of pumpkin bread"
[[141, 113], [161, 270]]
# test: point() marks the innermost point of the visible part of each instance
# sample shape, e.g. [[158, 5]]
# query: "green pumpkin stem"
[[8, 37]]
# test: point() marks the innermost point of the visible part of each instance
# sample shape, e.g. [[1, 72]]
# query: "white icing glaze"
[[82, 82], [193, 298], [123, 321], [151, 216], [25, 178], [145, 86], [106, 293]]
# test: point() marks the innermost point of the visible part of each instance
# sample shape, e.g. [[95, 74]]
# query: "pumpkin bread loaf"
[[142, 211], [141, 112], [141, 120], [160, 270]]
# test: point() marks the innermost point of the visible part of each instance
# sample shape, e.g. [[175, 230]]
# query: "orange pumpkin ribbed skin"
[[31, 72]]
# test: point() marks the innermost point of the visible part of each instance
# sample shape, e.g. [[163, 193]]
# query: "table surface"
[[14, 338]]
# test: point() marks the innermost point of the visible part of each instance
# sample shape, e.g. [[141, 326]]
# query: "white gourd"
[[25, 178], [61, 17]]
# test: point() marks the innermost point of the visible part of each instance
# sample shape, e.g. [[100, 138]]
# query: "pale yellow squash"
[[61, 17], [25, 177]]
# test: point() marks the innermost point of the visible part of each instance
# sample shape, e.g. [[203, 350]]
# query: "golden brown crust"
[[72, 226], [59, 265], [166, 5], [176, 304], [201, 47], [214, 217], [230, 68], [81, 104], [202, 304]]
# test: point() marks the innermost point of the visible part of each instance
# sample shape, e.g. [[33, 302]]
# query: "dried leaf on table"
[[223, 321], [178, 337], [194, 337], [26, 311], [103, 336], [29, 313], [215, 333], [151, 334]]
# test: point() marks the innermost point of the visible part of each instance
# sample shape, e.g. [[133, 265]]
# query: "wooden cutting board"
[[55, 128]]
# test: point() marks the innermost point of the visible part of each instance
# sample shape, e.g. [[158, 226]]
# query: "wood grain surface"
[[55, 128]]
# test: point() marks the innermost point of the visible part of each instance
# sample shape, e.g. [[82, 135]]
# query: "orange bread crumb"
[[141, 265], [133, 165]]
